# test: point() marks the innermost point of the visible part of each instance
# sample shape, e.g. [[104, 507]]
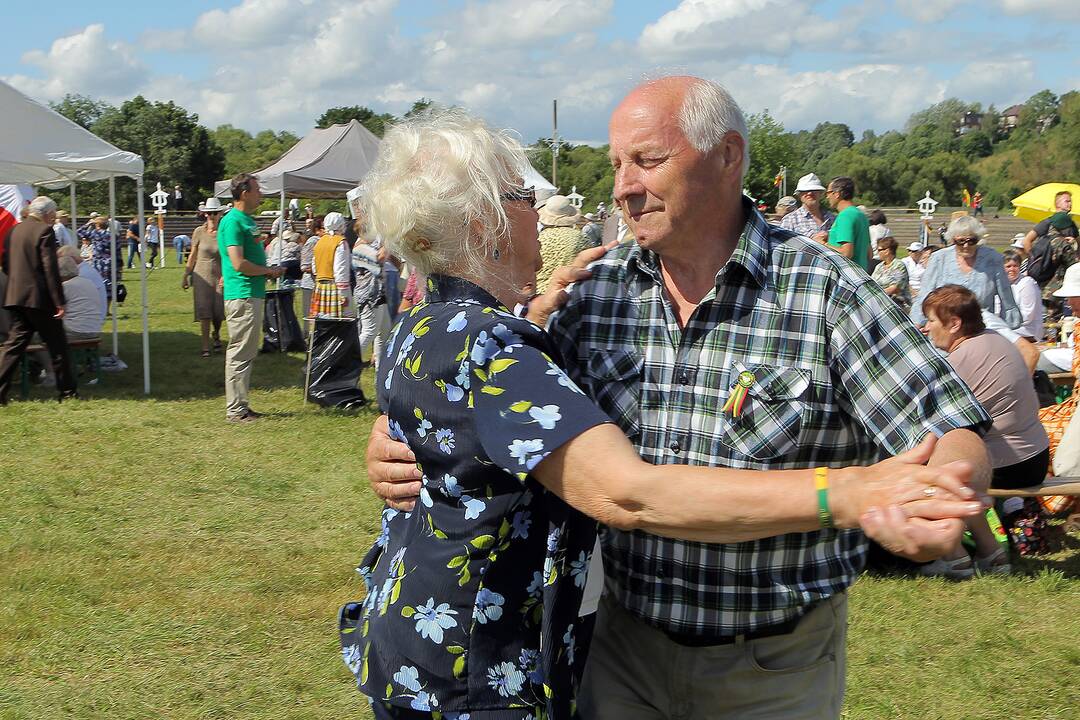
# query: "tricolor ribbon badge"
[[737, 398]]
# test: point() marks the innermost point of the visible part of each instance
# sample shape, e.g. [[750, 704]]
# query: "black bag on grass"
[[335, 365], [281, 329]]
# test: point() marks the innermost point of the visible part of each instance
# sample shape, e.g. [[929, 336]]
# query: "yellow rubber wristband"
[[821, 482]]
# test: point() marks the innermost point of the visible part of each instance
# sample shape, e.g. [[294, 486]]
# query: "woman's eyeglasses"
[[965, 241], [523, 194]]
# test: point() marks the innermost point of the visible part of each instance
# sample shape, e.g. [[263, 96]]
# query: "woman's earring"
[[495, 253]]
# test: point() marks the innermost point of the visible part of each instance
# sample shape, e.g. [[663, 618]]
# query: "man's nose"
[[628, 182]]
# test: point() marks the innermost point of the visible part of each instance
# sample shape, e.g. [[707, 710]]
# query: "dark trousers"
[[24, 322]]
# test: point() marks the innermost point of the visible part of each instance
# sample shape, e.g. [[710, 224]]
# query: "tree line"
[[895, 168]]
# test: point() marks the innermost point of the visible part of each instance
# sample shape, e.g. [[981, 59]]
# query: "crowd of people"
[[743, 403]]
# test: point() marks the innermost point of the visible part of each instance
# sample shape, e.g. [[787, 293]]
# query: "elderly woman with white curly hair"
[[980, 269], [474, 597]]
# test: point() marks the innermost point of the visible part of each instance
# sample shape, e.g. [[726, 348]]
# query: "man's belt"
[[704, 640]]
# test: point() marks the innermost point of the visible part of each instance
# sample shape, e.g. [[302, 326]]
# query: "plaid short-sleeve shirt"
[[840, 377]]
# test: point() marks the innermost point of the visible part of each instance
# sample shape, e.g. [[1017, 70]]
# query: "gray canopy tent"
[[38, 146], [326, 163]]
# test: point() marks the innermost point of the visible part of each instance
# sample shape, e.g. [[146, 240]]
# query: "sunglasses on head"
[[523, 194], [965, 241]]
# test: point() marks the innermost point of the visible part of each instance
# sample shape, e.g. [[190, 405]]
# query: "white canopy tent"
[[38, 146]]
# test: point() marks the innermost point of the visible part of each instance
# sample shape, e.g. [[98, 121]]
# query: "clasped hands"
[[908, 508]]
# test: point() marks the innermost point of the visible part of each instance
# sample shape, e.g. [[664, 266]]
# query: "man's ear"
[[733, 150]]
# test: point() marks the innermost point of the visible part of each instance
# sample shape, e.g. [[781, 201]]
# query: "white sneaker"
[[959, 569]]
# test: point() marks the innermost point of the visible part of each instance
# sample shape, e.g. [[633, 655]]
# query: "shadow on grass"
[[178, 372], [1066, 561]]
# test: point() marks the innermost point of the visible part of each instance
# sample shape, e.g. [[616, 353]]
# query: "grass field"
[[156, 562]]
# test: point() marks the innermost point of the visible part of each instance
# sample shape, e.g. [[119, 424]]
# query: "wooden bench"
[[1065, 379], [1051, 486]]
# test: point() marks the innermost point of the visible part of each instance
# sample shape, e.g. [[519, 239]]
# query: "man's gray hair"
[[41, 206], [67, 267], [708, 113], [965, 226], [435, 192]]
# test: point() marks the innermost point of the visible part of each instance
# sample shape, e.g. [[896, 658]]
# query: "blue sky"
[[278, 64]]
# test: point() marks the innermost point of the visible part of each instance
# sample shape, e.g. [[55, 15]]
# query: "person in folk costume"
[[332, 267]]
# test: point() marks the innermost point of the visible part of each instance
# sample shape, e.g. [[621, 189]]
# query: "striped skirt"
[[328, 301]]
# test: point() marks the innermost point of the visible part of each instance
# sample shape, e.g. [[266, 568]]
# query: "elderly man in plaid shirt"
[[710, 299], [810, 219]]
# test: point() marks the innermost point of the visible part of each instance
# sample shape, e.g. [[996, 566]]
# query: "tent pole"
[[73, 211], [145, 290], [112, 270], [281, 256]]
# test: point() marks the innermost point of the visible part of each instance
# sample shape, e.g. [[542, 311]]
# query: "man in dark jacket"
[[34, 297]]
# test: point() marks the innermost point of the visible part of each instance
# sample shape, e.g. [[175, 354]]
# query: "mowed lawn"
[[156, 562]]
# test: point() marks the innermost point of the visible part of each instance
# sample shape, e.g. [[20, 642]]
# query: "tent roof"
[[327, 162], [537, 181], [39, 146]]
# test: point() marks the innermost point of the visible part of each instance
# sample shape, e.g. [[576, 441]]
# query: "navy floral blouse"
[[472, 599]]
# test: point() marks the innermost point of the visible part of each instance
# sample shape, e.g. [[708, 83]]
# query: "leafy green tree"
[[420, 106], [1040, 113], [247, 153], [770, 149], [974, 144], [826, 139], [81, 109], [375, 122], [176, 150]]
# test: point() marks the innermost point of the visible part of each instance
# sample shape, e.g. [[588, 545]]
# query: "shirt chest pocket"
[[614, 378], [768, 423]]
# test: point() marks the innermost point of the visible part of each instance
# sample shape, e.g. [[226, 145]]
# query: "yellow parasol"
[[1038, 203]]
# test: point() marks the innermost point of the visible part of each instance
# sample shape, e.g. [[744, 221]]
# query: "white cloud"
[[728, 28], [1067, 8], [878, 96], [499, 23], [251, 24], [86, 63], [1001, 82], [929, 11]]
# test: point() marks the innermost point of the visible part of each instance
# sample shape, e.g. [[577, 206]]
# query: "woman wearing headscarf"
[[332, 267], [474, 598], [203, 273]]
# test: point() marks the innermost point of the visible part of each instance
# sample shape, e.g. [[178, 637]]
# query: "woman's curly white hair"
[[434, 193]]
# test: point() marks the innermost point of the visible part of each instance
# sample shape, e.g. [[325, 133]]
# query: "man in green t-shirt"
[[244, 272], [850, 233]]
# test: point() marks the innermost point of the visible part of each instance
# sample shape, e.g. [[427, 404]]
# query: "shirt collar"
[[752, 252], [445, 288]]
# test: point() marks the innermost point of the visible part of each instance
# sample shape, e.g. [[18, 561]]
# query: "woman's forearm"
[[599, 473]]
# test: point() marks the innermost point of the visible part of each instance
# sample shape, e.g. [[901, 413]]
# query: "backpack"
[[1041, 264]]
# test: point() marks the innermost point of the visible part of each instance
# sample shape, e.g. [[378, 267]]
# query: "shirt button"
[[675, 447], [684, 379]]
